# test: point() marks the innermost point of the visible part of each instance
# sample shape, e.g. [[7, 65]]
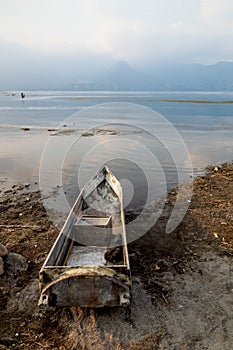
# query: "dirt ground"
[[182, 294]]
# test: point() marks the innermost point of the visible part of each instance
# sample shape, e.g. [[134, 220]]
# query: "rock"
[[16, 262], [25, 129], [216, 168], [3, 347], [1, 267], [3, 250]]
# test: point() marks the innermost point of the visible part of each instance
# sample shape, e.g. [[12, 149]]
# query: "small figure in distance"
[[22, 95]]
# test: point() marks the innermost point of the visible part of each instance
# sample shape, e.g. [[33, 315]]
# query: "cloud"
[[215, 10], [137, 31]]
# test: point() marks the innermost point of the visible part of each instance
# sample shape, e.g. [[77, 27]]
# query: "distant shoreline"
[[154, 100], [187, 101]]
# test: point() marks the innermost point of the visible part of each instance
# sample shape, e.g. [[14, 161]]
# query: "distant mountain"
[[24, 69], [194, 76], [173, 77], [121, 76]]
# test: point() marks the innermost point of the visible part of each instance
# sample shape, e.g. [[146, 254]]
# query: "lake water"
[[152, 141]]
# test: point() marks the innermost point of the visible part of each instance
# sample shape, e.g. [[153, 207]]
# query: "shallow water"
[[149, 153]]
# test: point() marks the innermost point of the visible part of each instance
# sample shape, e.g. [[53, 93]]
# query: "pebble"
[[3, 250], [7, 191], [16, 262], [1, 267]]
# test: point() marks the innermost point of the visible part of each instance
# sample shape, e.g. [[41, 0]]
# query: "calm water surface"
[[84, 130]]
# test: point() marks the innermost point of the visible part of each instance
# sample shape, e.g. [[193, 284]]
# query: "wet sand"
[[182, 282]]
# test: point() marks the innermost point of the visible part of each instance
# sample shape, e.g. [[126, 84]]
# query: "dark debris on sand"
[[165, 267]]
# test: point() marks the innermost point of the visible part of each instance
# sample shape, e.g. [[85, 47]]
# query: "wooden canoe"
[[88, 265]]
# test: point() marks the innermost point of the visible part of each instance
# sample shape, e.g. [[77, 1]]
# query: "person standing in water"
[[22, 95]]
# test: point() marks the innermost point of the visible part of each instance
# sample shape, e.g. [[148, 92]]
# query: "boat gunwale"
[[68, 271]]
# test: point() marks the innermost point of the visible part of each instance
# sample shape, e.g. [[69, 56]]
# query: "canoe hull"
[[87, 287], [88, 265]]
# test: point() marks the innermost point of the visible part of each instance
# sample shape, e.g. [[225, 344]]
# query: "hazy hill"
[[122, 76], [194, 76], [23, 69]]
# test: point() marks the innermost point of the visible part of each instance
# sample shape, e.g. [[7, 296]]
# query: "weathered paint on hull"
[[71, 275], [88, 287]]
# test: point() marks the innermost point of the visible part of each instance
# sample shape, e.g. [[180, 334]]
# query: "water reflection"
[[136, 144]]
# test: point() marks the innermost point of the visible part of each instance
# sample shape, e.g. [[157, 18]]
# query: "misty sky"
[[138, 31]]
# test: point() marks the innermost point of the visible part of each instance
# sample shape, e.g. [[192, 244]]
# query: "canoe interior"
[[89, 258]]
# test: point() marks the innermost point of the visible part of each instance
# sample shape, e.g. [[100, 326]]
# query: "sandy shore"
[[182, 282]]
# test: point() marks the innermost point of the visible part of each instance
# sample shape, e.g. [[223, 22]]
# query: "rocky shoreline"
[[14, 261], [182, 282]]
